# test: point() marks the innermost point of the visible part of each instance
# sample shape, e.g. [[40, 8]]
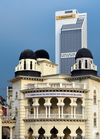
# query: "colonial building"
[[49, 105]]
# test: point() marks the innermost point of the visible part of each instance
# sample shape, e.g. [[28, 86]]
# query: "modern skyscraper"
[[70, 36]]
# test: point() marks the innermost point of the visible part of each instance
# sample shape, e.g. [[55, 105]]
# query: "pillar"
[[83, 112], [46, 111], [34, 111], [11, 132], [49, 111], [62, 110], [73, 84], [58, 111], [71, 111], [74, 111], [37, 111]]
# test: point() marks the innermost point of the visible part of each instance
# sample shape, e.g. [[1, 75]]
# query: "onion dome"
[[42, 54], [83, 53], [27, 54]]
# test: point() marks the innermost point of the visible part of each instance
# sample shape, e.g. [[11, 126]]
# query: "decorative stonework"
[[55, 90], [52, 120]]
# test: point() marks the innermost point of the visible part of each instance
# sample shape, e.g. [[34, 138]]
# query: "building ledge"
[[54, 120]]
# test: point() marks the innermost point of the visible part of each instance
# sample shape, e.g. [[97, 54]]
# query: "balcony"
[[6, 118], [48, 113], [65, 116], [55, 85]]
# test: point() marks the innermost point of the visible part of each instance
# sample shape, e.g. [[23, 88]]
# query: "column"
[[59, 111], [49, 111], [83, 112], [37, 111], [10, 132], [73, 84], [34, 111], [60, 85], [74, 111], [62, 111], [71, 111], [46, 111]]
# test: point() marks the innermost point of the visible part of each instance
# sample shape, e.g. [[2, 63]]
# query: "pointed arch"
[[54, 133], [41, 132], [67, 133], [79, 132]]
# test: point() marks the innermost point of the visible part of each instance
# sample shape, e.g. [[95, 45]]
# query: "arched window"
[[41, 132], [67, 133], [75, 66], [54, 133], [32, 110], [30, 132], [24, 64], [79, 64], [16, 111], [79, 132], [78, 107], [30, 64], [95, 120], [85, 63], [16, 96], [94, 98]]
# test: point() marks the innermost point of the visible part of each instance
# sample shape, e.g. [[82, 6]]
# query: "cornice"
[[26, 78], [9, 121], [54, 90], [55, 120], [72, 78]]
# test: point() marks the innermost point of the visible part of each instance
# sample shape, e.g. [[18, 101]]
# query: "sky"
[[30, 24]]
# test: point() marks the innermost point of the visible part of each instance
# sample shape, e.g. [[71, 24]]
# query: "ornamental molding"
[[54, 120], [26, 78], [75, 90], [8, 121], [72, 78]]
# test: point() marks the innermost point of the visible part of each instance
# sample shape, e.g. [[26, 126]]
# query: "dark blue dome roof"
[[83, 53], [42, 54], [27, 54]]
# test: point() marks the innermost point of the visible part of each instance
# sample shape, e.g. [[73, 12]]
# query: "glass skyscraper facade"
[[71, 35]]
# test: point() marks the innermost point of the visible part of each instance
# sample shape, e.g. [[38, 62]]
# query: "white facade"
[[69, 18], [54, 106], [71, 103]]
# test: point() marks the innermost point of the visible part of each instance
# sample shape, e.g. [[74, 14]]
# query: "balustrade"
[[54, 115], [55, 85]]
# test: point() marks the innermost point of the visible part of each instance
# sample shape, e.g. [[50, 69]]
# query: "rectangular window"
[[94, 99], [94, 121], [24, 65]]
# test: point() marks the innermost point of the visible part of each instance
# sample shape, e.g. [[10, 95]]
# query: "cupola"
[[84, 63], [27, 64]]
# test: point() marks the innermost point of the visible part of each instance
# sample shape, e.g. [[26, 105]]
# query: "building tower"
[[70, 36], [84, 64]]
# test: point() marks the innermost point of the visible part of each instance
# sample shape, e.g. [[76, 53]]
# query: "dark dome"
[[27, 54], [42, 54], [83, 53]]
